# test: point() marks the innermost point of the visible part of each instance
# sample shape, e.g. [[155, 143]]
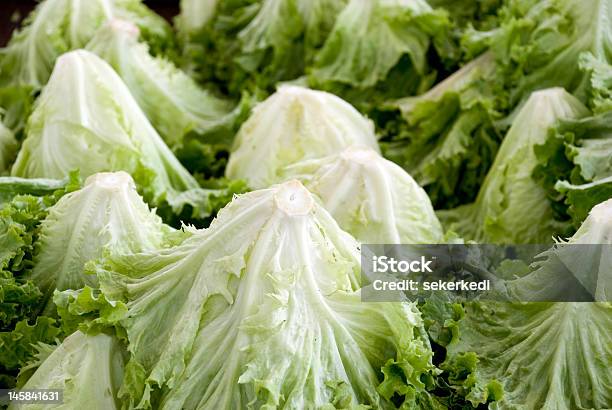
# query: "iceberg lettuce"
[[370, 197], [261, 309], [87, 119], [105, 216], [548, 355], [294, 124]]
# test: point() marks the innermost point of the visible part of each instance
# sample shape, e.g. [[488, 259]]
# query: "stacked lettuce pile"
[[182, 208]]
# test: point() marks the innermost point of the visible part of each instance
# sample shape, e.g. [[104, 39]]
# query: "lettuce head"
[[105, 216], [578, 268], [511, 207], [295, 124], [261, 309], [372, 198], [88, 369], [87, 119]]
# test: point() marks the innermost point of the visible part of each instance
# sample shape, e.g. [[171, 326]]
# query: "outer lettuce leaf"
[[10, 187], [538, 44], [106, 216], [472, 19], [582, 198], [446, 138], [481, 14], [57, 26], [283, 36], [20, 221], [208, 51], [8, 148], [575, 166], [20, 217], [88, 310], [88, 369], [379, 45], [370, 197], [295, 124], [256, 43], [172, 101], [18, 346], [599, 86], [511, 207], [86, 119], [250, 311]]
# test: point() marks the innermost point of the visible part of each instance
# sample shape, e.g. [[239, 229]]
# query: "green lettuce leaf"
[[249, 311], [599, 86], [295, 124], [538, 44], [16, 104], [253, 44], [446, 138], [379, 48], [23, 205], [511, 207], [18, 346], [575, 166], [88, 310], [582, 198], [20, 219], [10, 187], [480, 14], [370, 197]]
